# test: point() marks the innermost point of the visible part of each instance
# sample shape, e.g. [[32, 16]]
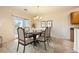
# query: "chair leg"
[[24, 49], [45, 46], [17, 47]]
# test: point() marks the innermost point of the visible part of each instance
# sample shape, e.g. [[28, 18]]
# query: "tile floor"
[[55, 46]]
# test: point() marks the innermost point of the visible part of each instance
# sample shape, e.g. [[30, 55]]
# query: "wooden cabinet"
[[75, 17]]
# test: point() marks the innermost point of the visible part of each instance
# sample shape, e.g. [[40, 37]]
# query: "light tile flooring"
[[55, 46]]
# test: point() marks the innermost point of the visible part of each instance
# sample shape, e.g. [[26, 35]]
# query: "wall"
[[61, 23], [7, 22], [60, 27]]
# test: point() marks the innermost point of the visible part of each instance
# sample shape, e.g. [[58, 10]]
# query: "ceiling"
[[42, 10]]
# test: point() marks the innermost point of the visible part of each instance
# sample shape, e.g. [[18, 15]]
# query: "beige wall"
[[61, 23], [60, 27], [7, 22]]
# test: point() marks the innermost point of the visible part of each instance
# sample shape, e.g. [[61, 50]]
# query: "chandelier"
[[37, 16]]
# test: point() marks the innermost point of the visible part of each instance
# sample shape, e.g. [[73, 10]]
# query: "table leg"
[[35, 41], [34, 37]]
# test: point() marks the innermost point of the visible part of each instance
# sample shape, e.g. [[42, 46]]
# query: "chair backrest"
[[21, 33], [27, 29], [47, 31]]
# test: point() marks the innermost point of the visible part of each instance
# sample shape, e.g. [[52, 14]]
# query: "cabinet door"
[[75, 18]]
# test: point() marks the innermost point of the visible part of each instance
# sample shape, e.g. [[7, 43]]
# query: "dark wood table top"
[[36, 32]]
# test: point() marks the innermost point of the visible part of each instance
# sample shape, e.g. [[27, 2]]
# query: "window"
[[21, 22]]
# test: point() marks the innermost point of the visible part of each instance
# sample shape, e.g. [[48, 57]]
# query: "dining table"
[[34, 35]]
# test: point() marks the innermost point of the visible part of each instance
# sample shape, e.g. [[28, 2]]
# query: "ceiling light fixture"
[[37, 16]]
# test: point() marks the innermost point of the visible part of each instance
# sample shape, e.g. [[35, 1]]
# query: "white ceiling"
[[35, 10], [42, 10]]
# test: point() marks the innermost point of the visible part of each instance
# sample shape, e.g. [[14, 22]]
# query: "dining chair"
[[23, 38], [46, 37], [27, 29]]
